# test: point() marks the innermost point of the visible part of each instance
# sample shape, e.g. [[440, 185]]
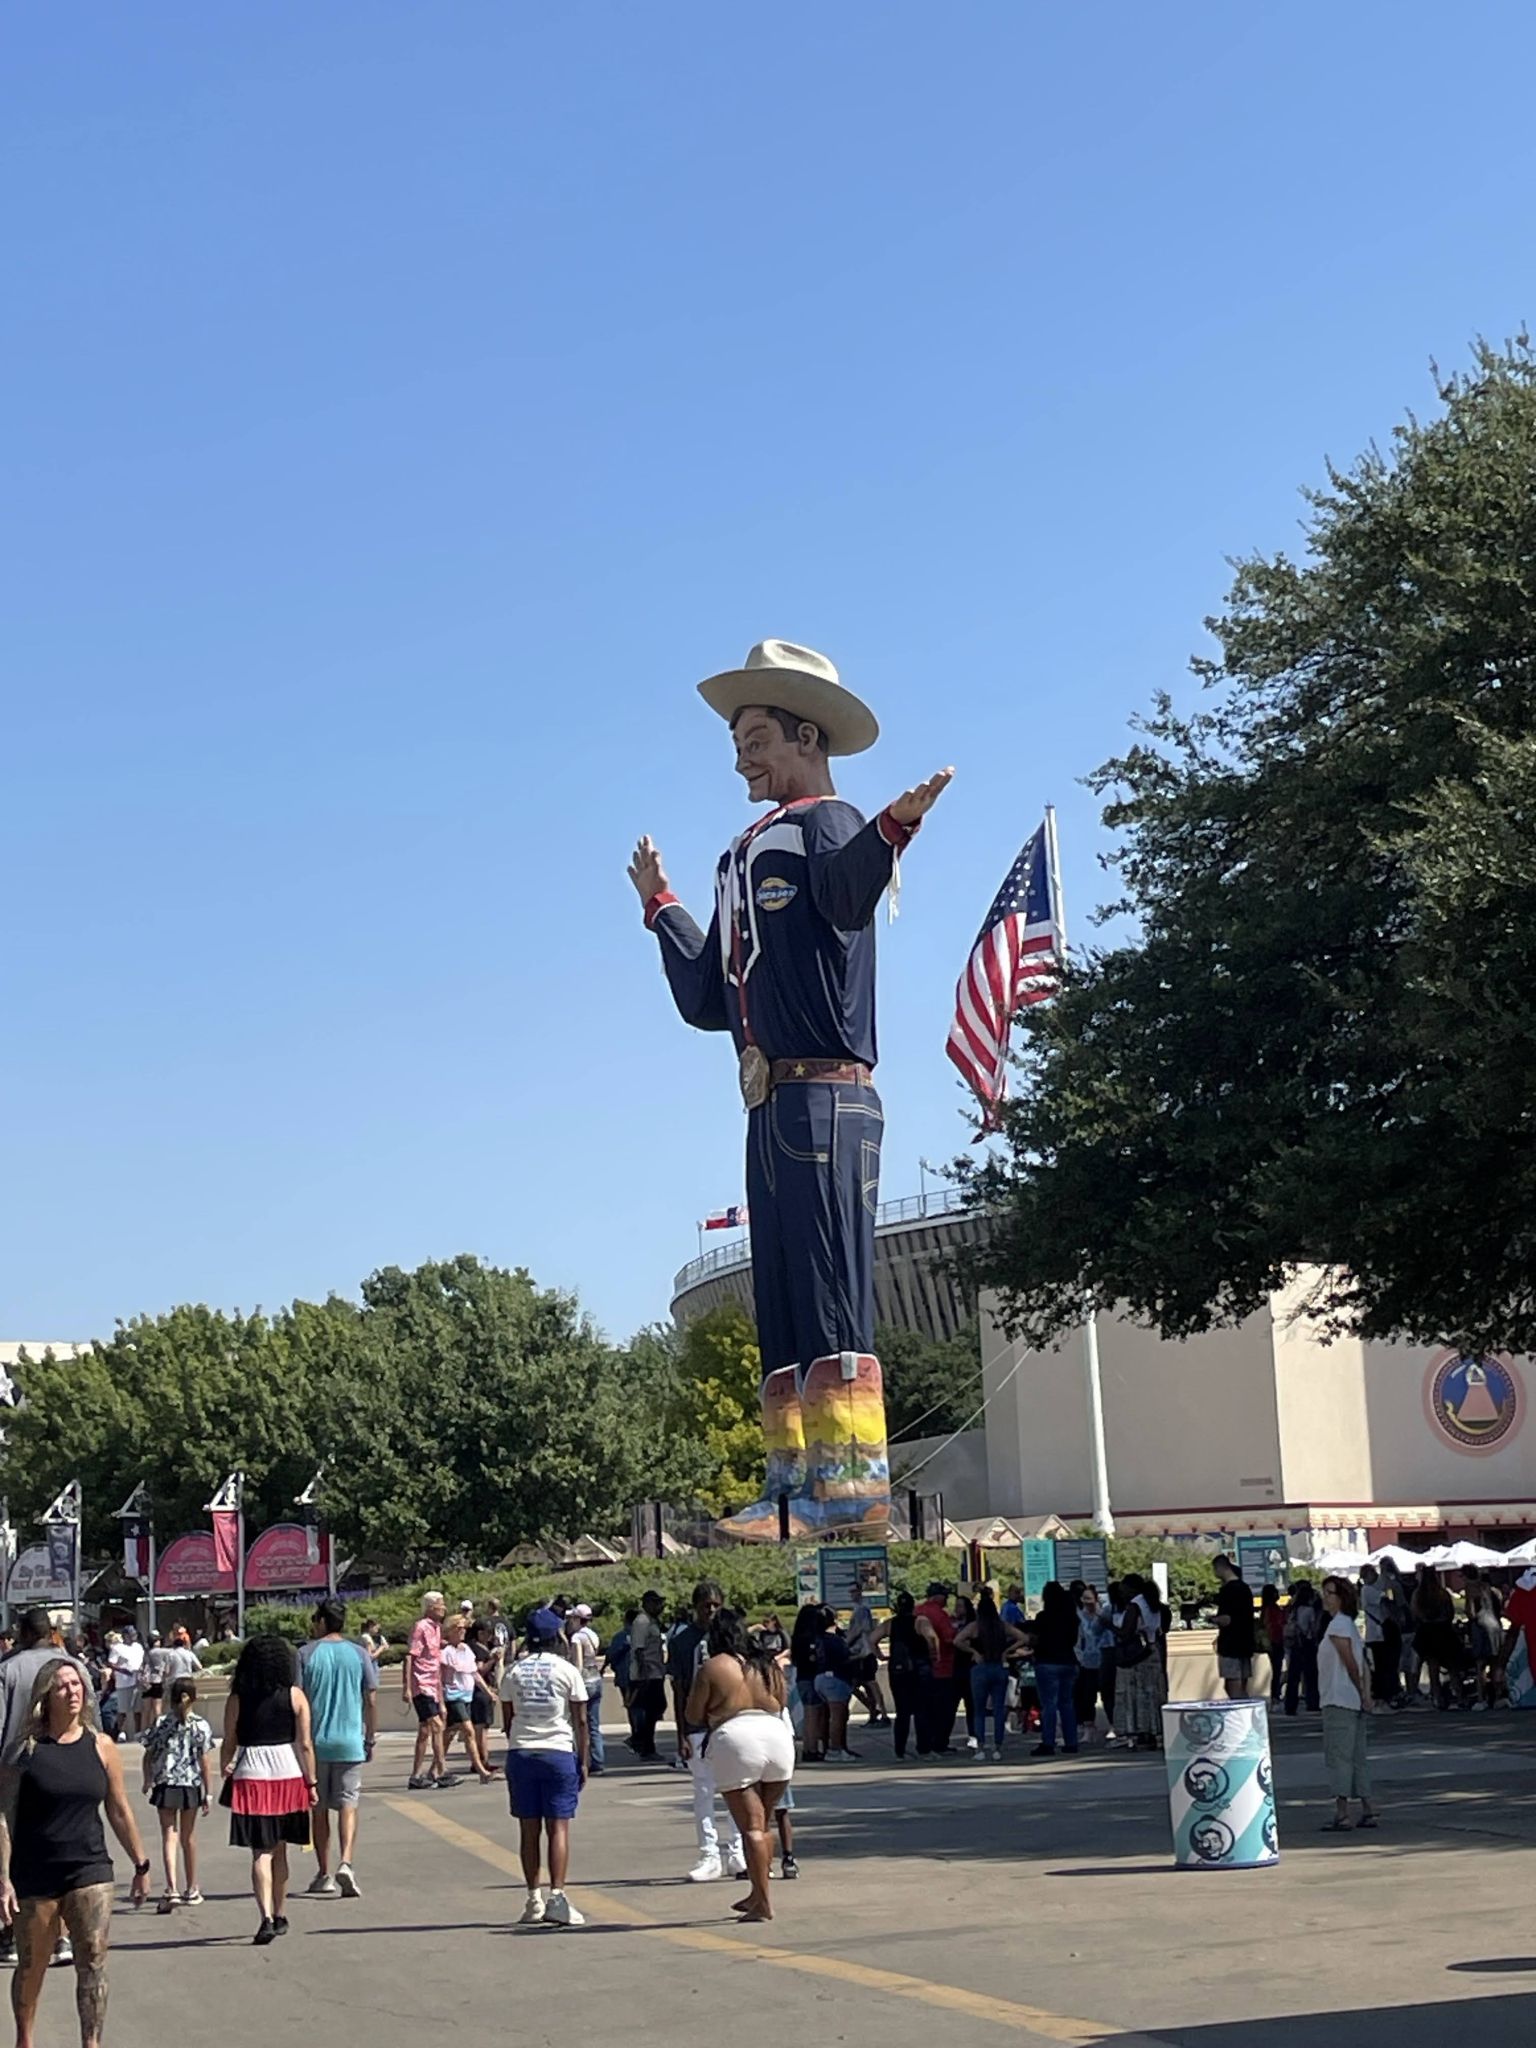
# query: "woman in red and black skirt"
[[268, 1761]]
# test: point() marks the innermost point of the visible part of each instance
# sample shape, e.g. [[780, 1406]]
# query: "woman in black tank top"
[[55, 1872]]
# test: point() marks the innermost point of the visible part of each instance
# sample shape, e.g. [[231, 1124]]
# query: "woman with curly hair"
[[268, 1760], [55, 1872]]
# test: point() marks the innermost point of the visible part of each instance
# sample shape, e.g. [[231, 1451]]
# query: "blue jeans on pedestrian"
[[1056, 1682], [595, 1726], [989, 1695]]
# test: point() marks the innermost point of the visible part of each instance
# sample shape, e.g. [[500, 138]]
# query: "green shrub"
[[755, 1578]]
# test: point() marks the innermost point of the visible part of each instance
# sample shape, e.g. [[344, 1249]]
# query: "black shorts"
[[458, 1711], [154, 1692], [427, 1707], [481, 1710], [862, 1669], [175, 1798]]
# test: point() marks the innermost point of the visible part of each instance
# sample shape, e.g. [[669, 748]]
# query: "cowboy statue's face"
[[774, 767]]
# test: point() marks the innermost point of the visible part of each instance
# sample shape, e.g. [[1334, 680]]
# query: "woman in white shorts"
[[739, 1694]]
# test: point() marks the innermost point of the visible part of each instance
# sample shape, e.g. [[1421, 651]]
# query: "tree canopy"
[[1318, 1046], [460, 1409]]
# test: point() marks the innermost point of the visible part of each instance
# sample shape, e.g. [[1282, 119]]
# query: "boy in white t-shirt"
[[546, 1763]]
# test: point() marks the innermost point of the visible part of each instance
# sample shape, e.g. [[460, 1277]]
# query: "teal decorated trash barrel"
[[1221, 1786]]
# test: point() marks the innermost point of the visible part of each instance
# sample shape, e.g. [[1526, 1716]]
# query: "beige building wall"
[[1325, 1437], [1186, 1425], [1413, 1460]]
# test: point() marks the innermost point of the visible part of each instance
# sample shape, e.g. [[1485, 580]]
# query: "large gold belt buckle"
[[756, 1076]]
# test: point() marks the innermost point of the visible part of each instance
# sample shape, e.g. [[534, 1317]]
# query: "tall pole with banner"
[[137, 1516], [1103, 1516], [227, 1509], [61, 1526]]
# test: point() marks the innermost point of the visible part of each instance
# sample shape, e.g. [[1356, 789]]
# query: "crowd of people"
[[1424, 1644], [749, 1702]]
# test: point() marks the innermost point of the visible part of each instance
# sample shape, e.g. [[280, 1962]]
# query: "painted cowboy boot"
[[784, 1439], [847, 1469]]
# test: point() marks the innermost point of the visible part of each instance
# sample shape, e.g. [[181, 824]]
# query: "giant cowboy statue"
[[788, 968]]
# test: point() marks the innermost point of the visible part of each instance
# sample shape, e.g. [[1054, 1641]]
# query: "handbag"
[[227, 1789]]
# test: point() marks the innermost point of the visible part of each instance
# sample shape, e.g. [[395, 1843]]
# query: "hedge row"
[[755, 1579]]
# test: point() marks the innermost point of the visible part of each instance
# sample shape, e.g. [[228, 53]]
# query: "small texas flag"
[[726, 1219]]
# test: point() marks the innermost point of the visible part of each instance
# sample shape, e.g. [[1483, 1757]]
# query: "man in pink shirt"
[[422, 1674]]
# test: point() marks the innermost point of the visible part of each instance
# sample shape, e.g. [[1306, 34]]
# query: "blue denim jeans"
[[989, 1695], [595, 1726], [1056, 1682]]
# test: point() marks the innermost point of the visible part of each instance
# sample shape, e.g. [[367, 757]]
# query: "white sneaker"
[[971, 1742], [533, 1912], [706, 1870], [350, 1888], [735, 1861], [561, 1913]]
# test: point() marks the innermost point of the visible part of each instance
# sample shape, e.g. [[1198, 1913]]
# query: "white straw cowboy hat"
[[800, 681]]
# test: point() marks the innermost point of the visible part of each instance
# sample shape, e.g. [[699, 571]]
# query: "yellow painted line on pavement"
[[978, 2005]]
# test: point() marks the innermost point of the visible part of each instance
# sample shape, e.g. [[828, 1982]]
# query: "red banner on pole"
[[226, 1539]]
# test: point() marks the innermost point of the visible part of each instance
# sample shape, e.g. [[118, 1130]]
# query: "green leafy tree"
[[459, 1410], [717, 1406], [932, 1384], [513, 1417], [1318, 1045]]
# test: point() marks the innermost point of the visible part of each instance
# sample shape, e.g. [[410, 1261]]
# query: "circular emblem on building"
[[1476, 1404], [1271, 1835], [1211, 1840], [1206, 1782]]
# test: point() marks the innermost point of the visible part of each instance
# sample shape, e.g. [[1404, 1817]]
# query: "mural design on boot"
[[847, 1466], [784, 1440]]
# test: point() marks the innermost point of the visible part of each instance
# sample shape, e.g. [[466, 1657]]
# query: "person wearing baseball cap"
[[587, 1655], [546, 1764]]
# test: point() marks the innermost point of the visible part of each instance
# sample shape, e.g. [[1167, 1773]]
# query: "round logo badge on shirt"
[[1475, 1403], [773, 893]]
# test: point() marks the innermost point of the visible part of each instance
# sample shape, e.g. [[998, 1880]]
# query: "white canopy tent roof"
[[1452, 1556]]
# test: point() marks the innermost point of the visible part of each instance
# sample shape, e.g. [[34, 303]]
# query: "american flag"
[[726, 1219], [1013, 964]]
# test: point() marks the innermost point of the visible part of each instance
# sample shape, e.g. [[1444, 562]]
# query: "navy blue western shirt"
[[792, 935]]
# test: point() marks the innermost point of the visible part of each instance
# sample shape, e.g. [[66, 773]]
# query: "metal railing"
[[725, 1258]]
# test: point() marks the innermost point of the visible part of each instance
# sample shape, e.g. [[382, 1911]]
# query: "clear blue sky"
[[405, 406]]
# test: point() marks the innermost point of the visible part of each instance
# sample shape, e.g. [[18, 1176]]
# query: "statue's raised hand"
[[913, 805], [647, 872]]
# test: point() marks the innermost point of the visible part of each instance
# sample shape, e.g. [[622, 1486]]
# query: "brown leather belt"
[[852, 1071]]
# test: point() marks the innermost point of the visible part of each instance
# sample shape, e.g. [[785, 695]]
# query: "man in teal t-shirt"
[[341, 1683]]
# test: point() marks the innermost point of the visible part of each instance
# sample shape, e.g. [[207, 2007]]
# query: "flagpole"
[[1103, 1516], [240, 1555]]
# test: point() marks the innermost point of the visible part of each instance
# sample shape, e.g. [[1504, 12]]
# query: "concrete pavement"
[[1036, 1900]]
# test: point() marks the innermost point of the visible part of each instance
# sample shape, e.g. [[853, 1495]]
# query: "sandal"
[[1338, 1827]]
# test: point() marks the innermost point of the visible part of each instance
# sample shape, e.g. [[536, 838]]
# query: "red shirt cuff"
[[656, 906], [894, 833]]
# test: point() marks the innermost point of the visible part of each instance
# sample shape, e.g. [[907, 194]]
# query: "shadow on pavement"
[[1492, 2022], [1498, 1966]]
